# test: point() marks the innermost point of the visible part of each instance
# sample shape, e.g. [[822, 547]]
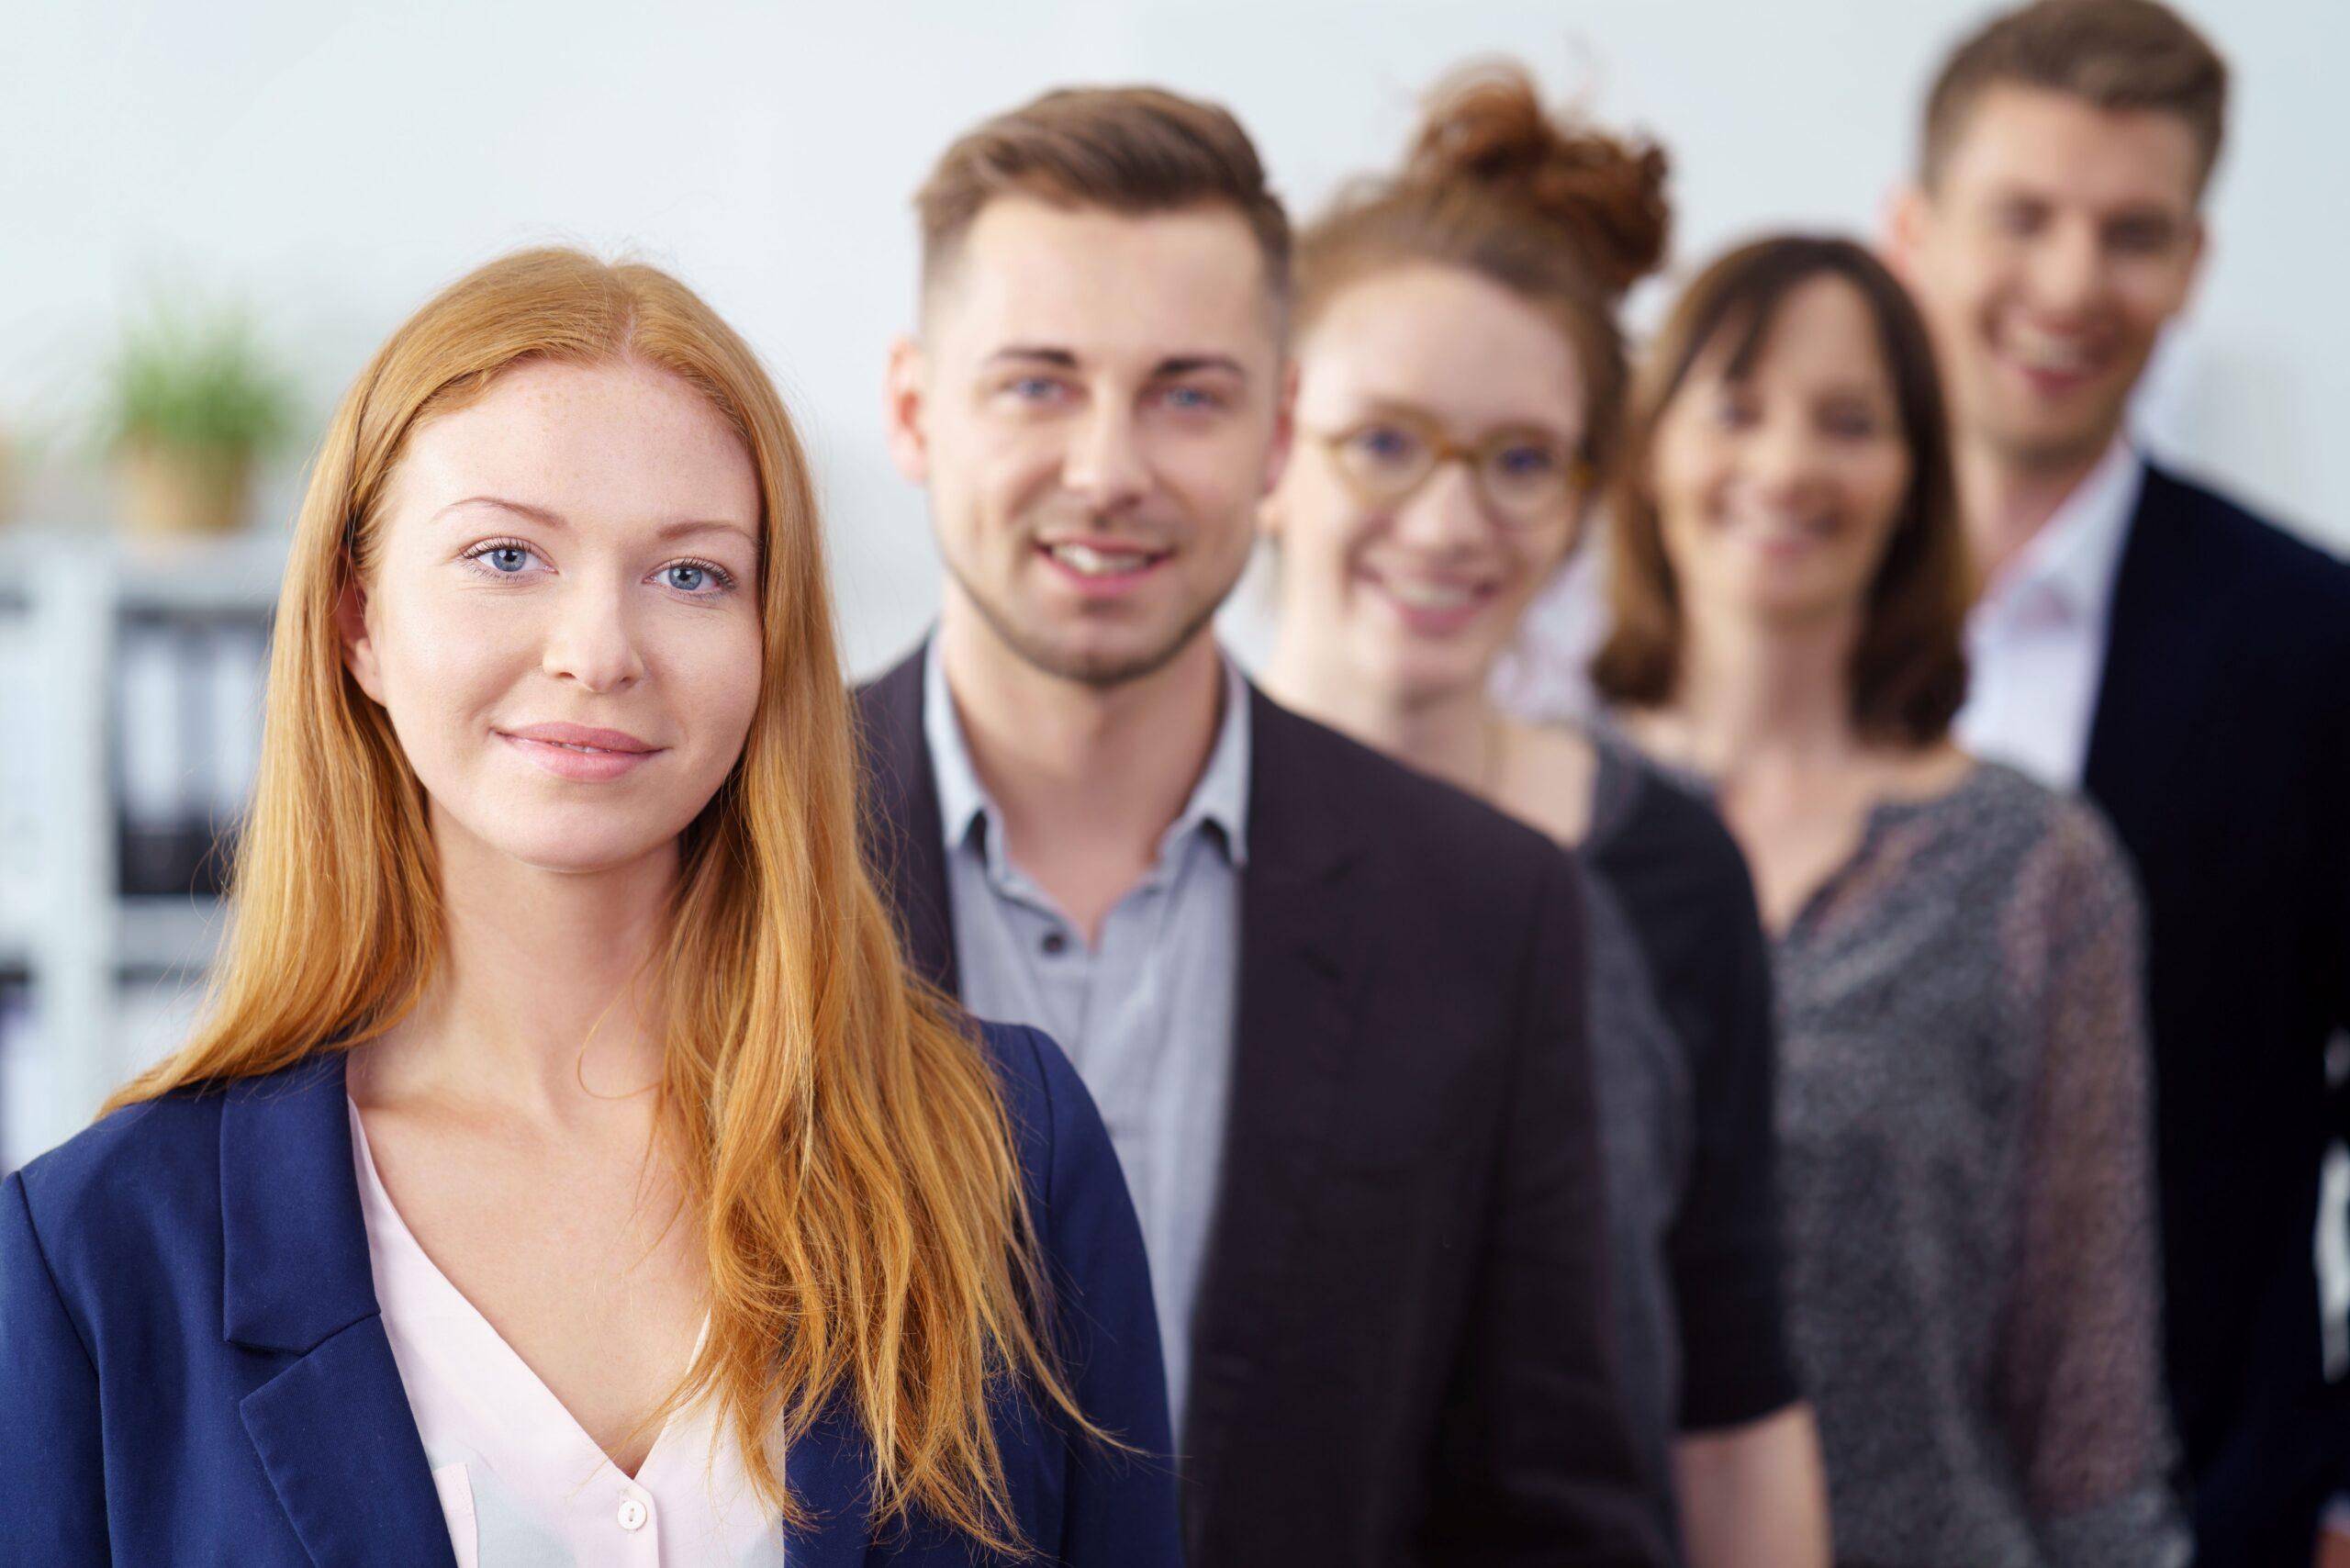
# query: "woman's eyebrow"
[[521, 509], [669, 530]]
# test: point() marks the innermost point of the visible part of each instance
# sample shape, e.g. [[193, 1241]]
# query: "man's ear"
[[903, 411], [358, 643], [1285, 427], [1907, 213], [2199, 239]]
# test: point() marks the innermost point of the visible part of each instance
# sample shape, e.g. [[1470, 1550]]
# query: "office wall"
[[335, 163]]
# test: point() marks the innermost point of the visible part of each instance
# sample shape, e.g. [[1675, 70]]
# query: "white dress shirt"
[[2036, 642], [522, 1486]]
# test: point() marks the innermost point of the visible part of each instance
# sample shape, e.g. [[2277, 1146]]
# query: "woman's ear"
[[1269, 516], [358, 642]]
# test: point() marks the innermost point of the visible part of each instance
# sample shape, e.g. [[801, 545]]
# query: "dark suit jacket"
[[193, 1368], [1399, 1350], [2222, 751]]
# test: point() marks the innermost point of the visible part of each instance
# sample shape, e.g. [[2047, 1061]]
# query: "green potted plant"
[[193, 399]]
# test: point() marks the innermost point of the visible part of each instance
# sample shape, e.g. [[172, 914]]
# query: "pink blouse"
[[521, 1484]]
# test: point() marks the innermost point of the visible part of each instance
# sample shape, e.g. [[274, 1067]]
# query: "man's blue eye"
[[1386, 443], [1189, 398], [1033, 387]]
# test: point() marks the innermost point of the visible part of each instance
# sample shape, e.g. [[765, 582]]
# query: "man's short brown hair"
[[2116, 54], [1136, 150]]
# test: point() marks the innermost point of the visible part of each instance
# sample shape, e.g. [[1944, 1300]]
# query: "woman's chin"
[[576, 849]]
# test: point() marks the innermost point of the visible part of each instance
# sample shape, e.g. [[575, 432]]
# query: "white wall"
[[337, 164]]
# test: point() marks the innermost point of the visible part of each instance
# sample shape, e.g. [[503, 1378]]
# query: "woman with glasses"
[[1461, 374]]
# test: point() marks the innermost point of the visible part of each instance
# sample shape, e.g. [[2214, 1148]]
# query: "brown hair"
[[1136, 150], [1908, 668], [844, 1141], [2117, 54], [1565, 217]]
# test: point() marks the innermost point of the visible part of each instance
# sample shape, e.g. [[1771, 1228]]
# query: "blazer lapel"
[[333, 1429], [1299, 965], [905, 849], [2161, 648]]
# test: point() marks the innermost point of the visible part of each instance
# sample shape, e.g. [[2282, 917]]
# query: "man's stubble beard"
[[1099, 672]]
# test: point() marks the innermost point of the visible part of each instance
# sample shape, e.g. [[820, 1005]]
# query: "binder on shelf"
[[187, 735]]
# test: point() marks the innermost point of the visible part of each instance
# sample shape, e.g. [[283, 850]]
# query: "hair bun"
[[1486, 126]]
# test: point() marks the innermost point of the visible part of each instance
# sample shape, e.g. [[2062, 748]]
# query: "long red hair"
[[843, 1138]]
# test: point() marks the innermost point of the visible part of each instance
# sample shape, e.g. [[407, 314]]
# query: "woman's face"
[[1409, 567], [1778, 492], [563, 621]]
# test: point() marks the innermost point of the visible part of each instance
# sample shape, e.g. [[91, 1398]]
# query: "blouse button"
[[631, 1514]]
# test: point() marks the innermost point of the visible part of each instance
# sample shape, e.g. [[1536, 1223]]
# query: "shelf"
[[233, 574], [166, 934]]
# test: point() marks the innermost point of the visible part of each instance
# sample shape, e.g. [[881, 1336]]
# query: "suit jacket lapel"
[[904, 842], [2161, 649], [333, 1429], [1300, 961]]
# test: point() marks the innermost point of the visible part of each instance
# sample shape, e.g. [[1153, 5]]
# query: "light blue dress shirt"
[[1148, 1016]]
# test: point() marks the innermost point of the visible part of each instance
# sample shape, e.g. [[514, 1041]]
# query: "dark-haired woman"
[[1461, 374], [1961, 1099]]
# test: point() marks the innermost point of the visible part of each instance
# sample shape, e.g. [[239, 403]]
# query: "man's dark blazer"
[[2220, 749], [194, 1368], [1399, 1351]]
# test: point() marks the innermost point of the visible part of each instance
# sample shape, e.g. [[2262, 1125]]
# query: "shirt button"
[[1053, 944], [631, 1514]]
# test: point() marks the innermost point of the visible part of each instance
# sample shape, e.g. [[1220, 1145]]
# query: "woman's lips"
[[579, 752], [1432, 609]]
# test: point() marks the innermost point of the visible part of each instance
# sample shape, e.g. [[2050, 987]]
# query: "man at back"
[[2186, 664], [1330, 1009]]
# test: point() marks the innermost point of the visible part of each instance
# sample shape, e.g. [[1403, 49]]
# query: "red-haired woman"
[[567, 1168]]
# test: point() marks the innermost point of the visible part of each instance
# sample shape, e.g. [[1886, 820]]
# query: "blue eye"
[[1527, 462], [501, 557], [1386, 443], [700, 579], [1190, 398]]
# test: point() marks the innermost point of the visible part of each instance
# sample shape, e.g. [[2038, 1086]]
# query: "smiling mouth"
[[2049, 356], [1434, 595], [1093, 561]]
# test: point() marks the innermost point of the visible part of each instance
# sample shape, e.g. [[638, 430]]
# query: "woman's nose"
[[590, 641]]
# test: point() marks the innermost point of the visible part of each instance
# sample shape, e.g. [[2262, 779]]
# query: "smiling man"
[[1331, 1010], [2188, 666]]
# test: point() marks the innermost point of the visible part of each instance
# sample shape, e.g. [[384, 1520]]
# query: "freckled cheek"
[[447, 662], [711, 674]]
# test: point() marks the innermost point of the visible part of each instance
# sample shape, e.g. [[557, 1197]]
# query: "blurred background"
[[213, 214]]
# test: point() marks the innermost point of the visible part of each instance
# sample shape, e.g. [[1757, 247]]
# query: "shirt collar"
[[2075, 555], [1220, 797]]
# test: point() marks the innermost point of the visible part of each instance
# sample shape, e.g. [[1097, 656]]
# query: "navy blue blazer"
[[193, 1368], [2221, 750]]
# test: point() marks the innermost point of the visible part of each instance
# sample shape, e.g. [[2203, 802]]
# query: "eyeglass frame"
[[1575, 490]]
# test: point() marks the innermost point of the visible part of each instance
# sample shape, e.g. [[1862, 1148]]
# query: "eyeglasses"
[[1526, 475]]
